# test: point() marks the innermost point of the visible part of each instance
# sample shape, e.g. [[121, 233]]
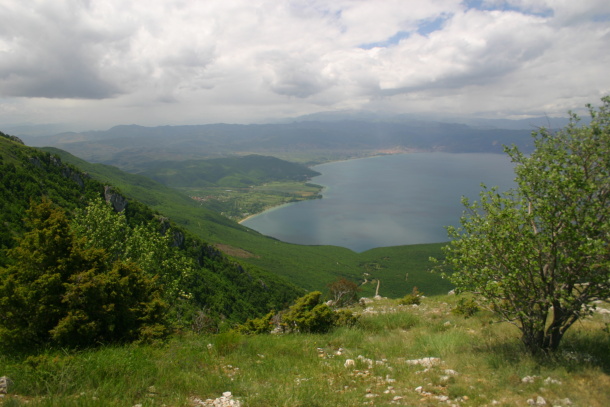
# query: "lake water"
[[386, 200]]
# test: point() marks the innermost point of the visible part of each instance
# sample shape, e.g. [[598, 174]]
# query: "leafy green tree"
[[538, 255], [57, 291], [141, 244]]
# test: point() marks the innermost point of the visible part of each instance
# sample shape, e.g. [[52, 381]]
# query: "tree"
[[539, 254], [57, 291], [343, 292], [141, 244]]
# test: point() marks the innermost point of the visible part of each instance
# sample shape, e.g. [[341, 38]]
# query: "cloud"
[[170, 62]]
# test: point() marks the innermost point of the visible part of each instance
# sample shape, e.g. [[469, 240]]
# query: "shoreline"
[[272, 208], [379, 153]]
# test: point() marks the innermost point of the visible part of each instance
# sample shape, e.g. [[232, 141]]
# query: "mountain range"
[[130, 146]]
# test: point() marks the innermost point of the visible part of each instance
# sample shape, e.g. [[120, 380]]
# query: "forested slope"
[[218, 286]]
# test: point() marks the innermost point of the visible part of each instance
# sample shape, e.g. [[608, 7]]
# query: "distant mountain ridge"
[[129, 146]]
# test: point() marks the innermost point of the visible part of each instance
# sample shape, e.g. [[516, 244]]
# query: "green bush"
[[261, 325], [466, 307], [308, 314], [58, 292], [411, 299], [346, 318]]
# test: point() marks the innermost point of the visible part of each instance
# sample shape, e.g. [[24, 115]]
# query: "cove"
[[386, 200]]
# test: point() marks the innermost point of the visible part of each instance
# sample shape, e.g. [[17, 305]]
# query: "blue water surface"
[[386, 200]]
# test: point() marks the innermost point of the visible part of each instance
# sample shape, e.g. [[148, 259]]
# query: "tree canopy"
[[539, 255], [59, 291]]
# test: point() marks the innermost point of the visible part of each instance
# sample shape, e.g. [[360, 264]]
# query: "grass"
[[239, 203], [480, 363]]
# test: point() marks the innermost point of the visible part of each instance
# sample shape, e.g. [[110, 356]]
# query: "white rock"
[[419, 389], [5, 382], [426, 362], [529, 379], [350, 363]]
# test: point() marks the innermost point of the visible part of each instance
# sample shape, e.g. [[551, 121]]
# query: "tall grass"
[[478, 363]]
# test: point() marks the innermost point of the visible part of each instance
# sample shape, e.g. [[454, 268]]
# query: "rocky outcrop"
[[118, 201]]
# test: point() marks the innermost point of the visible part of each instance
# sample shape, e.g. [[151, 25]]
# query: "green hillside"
[[225, 172], [218, 285], [310, 267]]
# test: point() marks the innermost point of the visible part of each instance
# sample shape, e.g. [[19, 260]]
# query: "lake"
[[386, 200]]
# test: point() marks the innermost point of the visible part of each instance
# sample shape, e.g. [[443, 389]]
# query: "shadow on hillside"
[[587, 349], [578, 351]]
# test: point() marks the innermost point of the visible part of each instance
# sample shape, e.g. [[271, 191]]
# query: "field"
[[396, 355], [240, 203]]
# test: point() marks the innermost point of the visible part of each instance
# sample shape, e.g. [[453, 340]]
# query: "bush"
[[466, 307], [346, 318], [57, 292], [263, 325], [308, 314], [411, 299]]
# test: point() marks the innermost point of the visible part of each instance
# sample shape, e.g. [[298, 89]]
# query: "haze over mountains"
[[325, 136]]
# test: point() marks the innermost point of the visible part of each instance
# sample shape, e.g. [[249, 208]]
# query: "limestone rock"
[[5, 382], [425, 362]]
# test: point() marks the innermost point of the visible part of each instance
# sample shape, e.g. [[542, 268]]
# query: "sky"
[[93, 64]]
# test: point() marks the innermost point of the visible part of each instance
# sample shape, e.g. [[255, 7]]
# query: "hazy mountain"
[[130, 146]]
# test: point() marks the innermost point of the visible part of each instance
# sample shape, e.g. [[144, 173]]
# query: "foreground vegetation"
[[479, 363], [74, 257], [538, 254]]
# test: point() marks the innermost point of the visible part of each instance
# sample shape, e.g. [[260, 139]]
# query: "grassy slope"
[[481, 364], [239, 171], [311, 267], [220, 286]]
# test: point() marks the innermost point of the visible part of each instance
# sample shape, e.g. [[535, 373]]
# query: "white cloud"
[[108, 62]]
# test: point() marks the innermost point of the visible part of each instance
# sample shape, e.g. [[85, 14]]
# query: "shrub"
[[346, 318], [57, 292], [262, 325], [411, 299], [466, 307], [308, 314]]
